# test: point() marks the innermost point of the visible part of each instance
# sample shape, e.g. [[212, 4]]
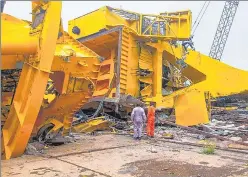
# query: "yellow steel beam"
[[15, 37], [190, 108], [206, 74], [215, 77], [32, 84], [176, 25], [92, 125]]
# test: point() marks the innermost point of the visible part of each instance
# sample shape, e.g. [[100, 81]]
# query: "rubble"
[[153, 150], [227, 125], [228, 128], [236, 139], [168, 136], [34, 148]]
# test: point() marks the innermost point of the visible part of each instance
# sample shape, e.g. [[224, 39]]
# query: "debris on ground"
[[153, 150], [228, 127], [168, 136], [34, 148]]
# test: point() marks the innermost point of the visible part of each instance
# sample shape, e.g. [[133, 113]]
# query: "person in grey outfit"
[[138, 117]]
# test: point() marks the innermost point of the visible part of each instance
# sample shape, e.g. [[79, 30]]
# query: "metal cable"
[[199, 14], [201, 17]]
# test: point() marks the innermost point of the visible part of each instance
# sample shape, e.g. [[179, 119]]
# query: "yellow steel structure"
[[118, 44], [206, 75], [142, 49], [35, 72], [73, 70], [174, 25], [141, 56], [99, 123]]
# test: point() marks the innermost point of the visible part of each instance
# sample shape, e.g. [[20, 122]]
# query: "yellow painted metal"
[[78, 74], [133, 29], [57, 125], [190, 108], [92, 125], [32, 83], [106, 46], [145, 62], [15, 36], [74, 67], [176, 25], [157, 82], [208, 75], [48, 98], [140, 49], [226, 108], [211, 75], [49, 95], [10, 61], [72, 81]]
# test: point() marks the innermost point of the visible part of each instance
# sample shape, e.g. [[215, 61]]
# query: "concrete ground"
[[121, 156]]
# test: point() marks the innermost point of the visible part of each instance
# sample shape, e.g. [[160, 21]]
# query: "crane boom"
[[223, 29]]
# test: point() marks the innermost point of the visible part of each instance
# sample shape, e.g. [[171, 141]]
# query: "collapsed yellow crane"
[[139, 58], [38, 43], [125, 51], [45, 112], [148, 52]]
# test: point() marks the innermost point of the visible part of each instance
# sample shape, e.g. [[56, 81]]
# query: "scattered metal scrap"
[[227, 125], [194, 130], [92, 125]]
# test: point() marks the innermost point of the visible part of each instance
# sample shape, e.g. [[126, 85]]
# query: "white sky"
[[237, 44]]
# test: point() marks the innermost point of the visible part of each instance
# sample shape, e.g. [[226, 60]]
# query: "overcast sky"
[[237, 44]]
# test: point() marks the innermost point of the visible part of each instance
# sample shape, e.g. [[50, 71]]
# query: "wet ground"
[[170, 168], [121, 156]]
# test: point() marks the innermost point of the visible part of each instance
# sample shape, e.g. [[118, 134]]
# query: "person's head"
[[152, 104], [139, 105]]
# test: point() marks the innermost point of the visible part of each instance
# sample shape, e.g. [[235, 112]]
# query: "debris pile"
[[238, 100], [228, 126], [34, 148], [234, 121]]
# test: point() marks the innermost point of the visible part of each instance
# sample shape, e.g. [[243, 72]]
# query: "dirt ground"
[[121, 156]]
